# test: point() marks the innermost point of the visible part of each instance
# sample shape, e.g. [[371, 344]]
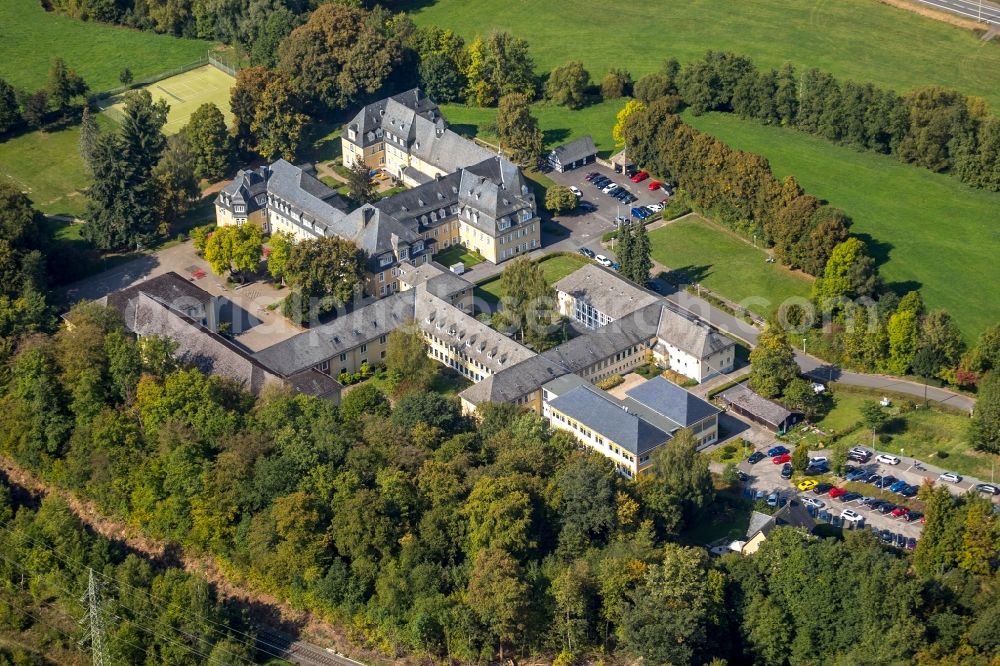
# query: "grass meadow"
[[927, 230], [856, 39], [702, 252], [30, 38], [554, 267]]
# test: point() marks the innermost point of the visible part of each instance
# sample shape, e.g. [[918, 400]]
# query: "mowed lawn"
[[185, 93], [30, 38], [558, 123], [48, 166], [857, 39], [701, 252], [929, 230]]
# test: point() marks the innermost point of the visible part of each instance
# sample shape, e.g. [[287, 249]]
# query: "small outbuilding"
[[574, 154], [759, 409]]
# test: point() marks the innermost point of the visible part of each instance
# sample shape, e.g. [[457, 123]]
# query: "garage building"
[[574, 154], [758, 409]]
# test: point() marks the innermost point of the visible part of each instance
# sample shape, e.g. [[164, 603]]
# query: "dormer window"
[[385, 260], [241, 209], [404, 253]]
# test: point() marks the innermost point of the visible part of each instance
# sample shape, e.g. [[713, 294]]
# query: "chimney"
[[212, 315]]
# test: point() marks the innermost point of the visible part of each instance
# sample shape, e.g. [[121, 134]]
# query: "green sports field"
[[185, 93], [30, 38], [930, 231], [858, 39], [708, 255]]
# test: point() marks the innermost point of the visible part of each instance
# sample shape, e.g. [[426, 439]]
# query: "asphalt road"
[[974, 9]]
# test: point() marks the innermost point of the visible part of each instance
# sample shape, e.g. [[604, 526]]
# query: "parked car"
[[640, 213], [639, 177], [856, 475], [853, 517], [850, 497], [886, 536], [600, 181], [950, 477], [654, 208], [808, 484], [772, 499], [887, 481], [887, 459], [575, 190], [909, 491], [610, 186], [899, 511], [911, 544], [874, 479], [614, 191], [818, 460], [837, 492], [602, 260], [988, 488], [654, 185], [615, 266], [868, 501], [786, 471], [755, 457], [587, 206], [900, 541], [777, 451], [627, 197], [822, 488], [896, 487], [782, 459], [912, 516], [887, 508], [591, 176], [824, 516], [587, 252], [813, 502], [859, 457], [816, 470]]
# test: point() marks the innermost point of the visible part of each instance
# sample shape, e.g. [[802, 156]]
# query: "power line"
[[94, 620], [79, 568]]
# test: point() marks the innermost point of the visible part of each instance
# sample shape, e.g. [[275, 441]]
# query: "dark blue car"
[[777, 451]]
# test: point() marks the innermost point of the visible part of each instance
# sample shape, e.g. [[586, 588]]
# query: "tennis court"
[[184, 93]]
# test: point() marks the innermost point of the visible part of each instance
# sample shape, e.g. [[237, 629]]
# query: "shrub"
[[610, 382], [942, 454]]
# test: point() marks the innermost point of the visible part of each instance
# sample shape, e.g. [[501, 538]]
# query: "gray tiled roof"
[[606, 417], [691, 335], [469, 336], [605, 290], [445, 149], [287, 182], [196, 345], [439, 281], [515, 382], [321, 343], [677, 404], [755, 404], [575, 150], [171, 289], [313, 382], [635, 328], [371, 118], [495, 187]]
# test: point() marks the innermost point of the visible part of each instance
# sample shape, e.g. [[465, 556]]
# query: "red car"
[[837, 492], [639, 177], [899, 511], [592, 175], [782, 459], [654, 185]]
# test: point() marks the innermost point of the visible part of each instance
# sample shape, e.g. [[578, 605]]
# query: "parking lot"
[[766, 476], [607, 208]]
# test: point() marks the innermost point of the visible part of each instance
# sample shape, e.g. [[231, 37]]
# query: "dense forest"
[[433, 534]]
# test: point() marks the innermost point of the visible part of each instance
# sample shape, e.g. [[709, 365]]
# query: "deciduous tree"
[[407, 362], [567, 85], [498, 66], [772, 363], [359, 181], [559, 199], [235, 249], [209, 141], [984, 431], [518, 130]]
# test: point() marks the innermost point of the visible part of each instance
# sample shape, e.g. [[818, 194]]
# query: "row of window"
[[520, 233], [523, 247]]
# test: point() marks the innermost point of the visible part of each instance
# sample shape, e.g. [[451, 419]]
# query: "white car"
[[851, 516], [603, 261], [887, 459], [813, 502], [654, 208], [575, 190], [950, 477], [610, 187]]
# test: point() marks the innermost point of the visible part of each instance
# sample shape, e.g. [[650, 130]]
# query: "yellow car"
[[808, 484]]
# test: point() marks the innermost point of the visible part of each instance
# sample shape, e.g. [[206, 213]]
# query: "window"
[[364, 348], [381, 340], [381, 276], [343, 357], [385, 260]]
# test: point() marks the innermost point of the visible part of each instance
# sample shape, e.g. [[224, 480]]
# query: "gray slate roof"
[[369, 120], [171, 289], [605, 290], [635, 328], [575, 150], [310, 196], [691, 335], [515, 382], [606, 417], [670, 400], [310, 348], [439, 281], [764, 409]]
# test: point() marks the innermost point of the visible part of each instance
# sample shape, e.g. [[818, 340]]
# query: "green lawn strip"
[[891, 47], [929, 230], [455, 254], [554, 267], [559, 124], [32, 37], [48, 166], [703, 253]]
